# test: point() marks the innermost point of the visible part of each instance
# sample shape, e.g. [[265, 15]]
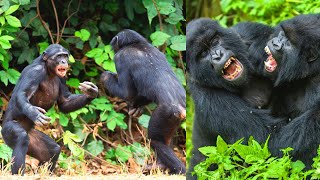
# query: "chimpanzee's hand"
[[135, 111], [89, 89], [41, 119]]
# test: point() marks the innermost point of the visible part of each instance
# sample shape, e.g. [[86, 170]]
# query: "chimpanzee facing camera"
[[40, 85], [144, 76]]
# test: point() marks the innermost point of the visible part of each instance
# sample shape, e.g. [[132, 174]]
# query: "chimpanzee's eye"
[[59, 56]]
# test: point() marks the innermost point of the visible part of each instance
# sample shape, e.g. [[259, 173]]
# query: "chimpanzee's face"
[[56, 58], [59, 64]]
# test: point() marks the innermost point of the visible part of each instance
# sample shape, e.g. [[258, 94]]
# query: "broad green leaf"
[[11, 10], [151, 10], [69, 137], [165, 7], [13, 75], [144, 120], [2, 21], [123, 153], [83, 34], [178, 43], [158, 38], [71, 59], [95, 147], [109, 65], [43, 46], [73, 82], [208, 150], [63, 120], [4, 77], [221, 145], [111, 124], [94, 52], [13, 21], [5, 152], [5, 44]]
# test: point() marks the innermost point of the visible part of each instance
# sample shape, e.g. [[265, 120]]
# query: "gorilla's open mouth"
[[270, 64], [232, 69], [61, 70]]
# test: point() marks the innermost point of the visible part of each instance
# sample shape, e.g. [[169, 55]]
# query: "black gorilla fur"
[[295, 47], [219, 107]]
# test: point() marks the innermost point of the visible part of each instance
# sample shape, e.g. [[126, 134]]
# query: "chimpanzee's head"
[[125, 38], [56, 58]]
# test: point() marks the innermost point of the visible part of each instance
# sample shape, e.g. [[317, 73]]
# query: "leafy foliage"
[[252, 161], [85, 29]]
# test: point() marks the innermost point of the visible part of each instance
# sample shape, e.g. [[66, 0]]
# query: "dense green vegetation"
[[102, 129], [230, 12]]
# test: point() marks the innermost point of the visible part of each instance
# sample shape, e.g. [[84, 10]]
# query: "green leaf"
[[208, 150], [13, 21], [144, 120], [69, 137], [24, 2], [111, 124], [178, 43], [5, 152], [73, 82], [3, 77], [63, 120], [71, 59], [123, 153], [297, 166], [109, 65], [11, 10], [151, 10], [158, 38], [174, 18], [43, 46], [221, 145], [95, 147], [83, 34], [165, 7], [96, 52], [13, 75]]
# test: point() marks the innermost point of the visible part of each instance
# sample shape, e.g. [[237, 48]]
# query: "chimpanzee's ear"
[[44, 56]]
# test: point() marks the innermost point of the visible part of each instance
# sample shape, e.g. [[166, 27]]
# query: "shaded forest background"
[[99, 138]]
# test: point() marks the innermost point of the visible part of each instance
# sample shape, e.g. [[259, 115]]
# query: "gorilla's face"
[[294, 49], [216, 56]]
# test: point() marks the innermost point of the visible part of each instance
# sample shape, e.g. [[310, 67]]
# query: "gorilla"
[[219, 70], [293, 56]]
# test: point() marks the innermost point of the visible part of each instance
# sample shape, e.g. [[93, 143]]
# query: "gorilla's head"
[[216, 57], [294, 49]]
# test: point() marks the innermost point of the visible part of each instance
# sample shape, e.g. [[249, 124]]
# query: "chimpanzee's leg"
[[164, 122], [17, 138], [43, 148]]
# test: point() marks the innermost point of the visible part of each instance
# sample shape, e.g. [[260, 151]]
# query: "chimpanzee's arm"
[[121, 84], [68, 102], [27, 85]]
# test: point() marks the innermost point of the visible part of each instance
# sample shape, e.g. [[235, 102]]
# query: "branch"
[[159, 15], [57, 20], [43, 22], [69, 16]]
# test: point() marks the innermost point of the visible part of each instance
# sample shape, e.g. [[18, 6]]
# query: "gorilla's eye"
[[204, 54], [59, 56], [215, 42]]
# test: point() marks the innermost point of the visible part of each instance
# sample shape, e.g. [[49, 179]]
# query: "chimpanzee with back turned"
[[41, 84], [145, 76]]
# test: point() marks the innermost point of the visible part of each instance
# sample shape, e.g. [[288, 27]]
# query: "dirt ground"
[[111, 177]]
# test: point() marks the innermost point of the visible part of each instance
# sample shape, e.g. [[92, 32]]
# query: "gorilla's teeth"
[[227, 64], [267, 50]]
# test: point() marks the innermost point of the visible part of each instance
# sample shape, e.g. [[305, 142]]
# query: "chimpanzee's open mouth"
[[232, 69], [61, 70], [270, 64]]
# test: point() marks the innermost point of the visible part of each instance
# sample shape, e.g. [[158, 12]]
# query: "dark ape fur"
[[144, 76], [40, 85], [295, 47], [219, 107]]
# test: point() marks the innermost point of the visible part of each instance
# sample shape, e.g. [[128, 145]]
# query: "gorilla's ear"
[[313, 54]]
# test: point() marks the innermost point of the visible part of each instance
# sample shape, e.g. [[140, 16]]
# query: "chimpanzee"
[[41, 84], [295, 49], [145, 76], [220, 70]]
